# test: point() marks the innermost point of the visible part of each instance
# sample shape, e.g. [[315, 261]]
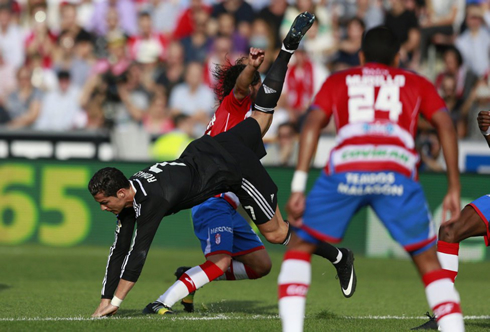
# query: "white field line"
[[217, 317]]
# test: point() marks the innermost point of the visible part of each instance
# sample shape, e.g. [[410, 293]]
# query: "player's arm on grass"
[[315, 121], [449, 142], [243, 81], [119, 250], [147, 226], [483, 119]]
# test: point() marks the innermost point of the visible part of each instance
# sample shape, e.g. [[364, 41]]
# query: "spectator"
[[221, 53], [23, 104], [83, 59], [40, 39], [171, 145], [11, 39], [43, 78], [147, 42], [349, 47], [430, 151], [186, 21], [439, 24], [273, 14], [283, 152], [241, 10], [454, 66], [113, 29], [8, 84], [320, 42], [453, 103], [193, 98], [173, 73], [197, 45], [370, 12], [303, 80], [227, 27], [164, 14], [474, 43], [158, 120], [405, 26], [85, 12], [126, 11], [263, 38], [60, 110]]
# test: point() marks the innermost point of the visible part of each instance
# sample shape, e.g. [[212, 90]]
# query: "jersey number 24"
[[363, 104]]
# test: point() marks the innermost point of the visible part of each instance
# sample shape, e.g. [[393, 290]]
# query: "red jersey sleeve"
[[323, 98], [430, 102], [233, 104]]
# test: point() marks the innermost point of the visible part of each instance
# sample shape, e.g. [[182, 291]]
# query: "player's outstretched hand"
[[256, 57], [295, 208], [107, 311], [483, 119]]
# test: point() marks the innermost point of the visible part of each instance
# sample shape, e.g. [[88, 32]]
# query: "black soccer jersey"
[[203, 170], [208, 166]]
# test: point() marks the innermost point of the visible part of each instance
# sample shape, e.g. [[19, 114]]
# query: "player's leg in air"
[[277, 230], [472, 222], [232, 249]]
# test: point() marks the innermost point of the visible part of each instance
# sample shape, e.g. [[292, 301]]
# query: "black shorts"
[[257, 192]]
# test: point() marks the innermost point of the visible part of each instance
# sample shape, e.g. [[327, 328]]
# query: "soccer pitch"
[[51, 289]]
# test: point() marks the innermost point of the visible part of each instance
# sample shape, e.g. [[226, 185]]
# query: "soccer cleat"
[[188, 301], [302, 23], [157, 308], [346, 273], [430, 325]]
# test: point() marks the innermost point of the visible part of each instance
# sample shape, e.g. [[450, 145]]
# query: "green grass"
[[38, 283]]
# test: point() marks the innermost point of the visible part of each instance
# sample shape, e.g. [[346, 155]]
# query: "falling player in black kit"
[[210, 165]]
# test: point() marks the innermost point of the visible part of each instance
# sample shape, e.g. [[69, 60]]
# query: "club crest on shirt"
[[217, 238]]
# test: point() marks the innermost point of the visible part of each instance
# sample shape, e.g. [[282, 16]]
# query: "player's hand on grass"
[[295, 208], [256, 57], [103, 303], [107, 311], [483, 119]]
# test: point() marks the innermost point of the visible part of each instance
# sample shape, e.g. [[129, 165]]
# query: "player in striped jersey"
[[375, 108], [472, 222]]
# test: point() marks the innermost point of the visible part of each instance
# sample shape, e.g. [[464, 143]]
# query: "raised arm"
[[243, 81]]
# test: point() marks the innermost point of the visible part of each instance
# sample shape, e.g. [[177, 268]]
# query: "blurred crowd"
[[142, 69]]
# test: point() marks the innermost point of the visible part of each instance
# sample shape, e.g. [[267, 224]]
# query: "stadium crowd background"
[[142, 70]]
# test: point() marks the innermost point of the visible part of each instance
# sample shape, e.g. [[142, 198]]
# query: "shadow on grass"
[[4, 287], [325, 314], [481, 324], [232, 306], [130, 312]]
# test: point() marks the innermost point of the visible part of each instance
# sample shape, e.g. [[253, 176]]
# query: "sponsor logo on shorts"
[[379, 183], [221, 229], [217, 238]]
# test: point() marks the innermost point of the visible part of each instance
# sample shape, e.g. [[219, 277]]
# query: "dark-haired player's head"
[[226, 76], [380, 45], [110, 188]]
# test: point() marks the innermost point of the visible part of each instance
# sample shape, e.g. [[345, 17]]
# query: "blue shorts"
[[398, 201], [222, 230], [482, 207]]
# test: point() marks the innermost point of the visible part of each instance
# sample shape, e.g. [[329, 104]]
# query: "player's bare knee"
[[447, 233], [222, 261]]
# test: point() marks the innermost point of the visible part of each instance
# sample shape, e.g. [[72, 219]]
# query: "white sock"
[[294, 280], [444, 300], [447, 253], [192, 279], [238, 271]]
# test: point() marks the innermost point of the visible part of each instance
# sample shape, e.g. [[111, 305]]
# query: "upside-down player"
[[226, 238], [375, 107]]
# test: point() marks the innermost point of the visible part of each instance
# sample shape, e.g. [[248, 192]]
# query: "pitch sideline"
[[217, 317]]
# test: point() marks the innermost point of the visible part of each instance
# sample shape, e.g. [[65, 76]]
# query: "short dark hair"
[[456, 52], [108, 181], [380, 44]]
